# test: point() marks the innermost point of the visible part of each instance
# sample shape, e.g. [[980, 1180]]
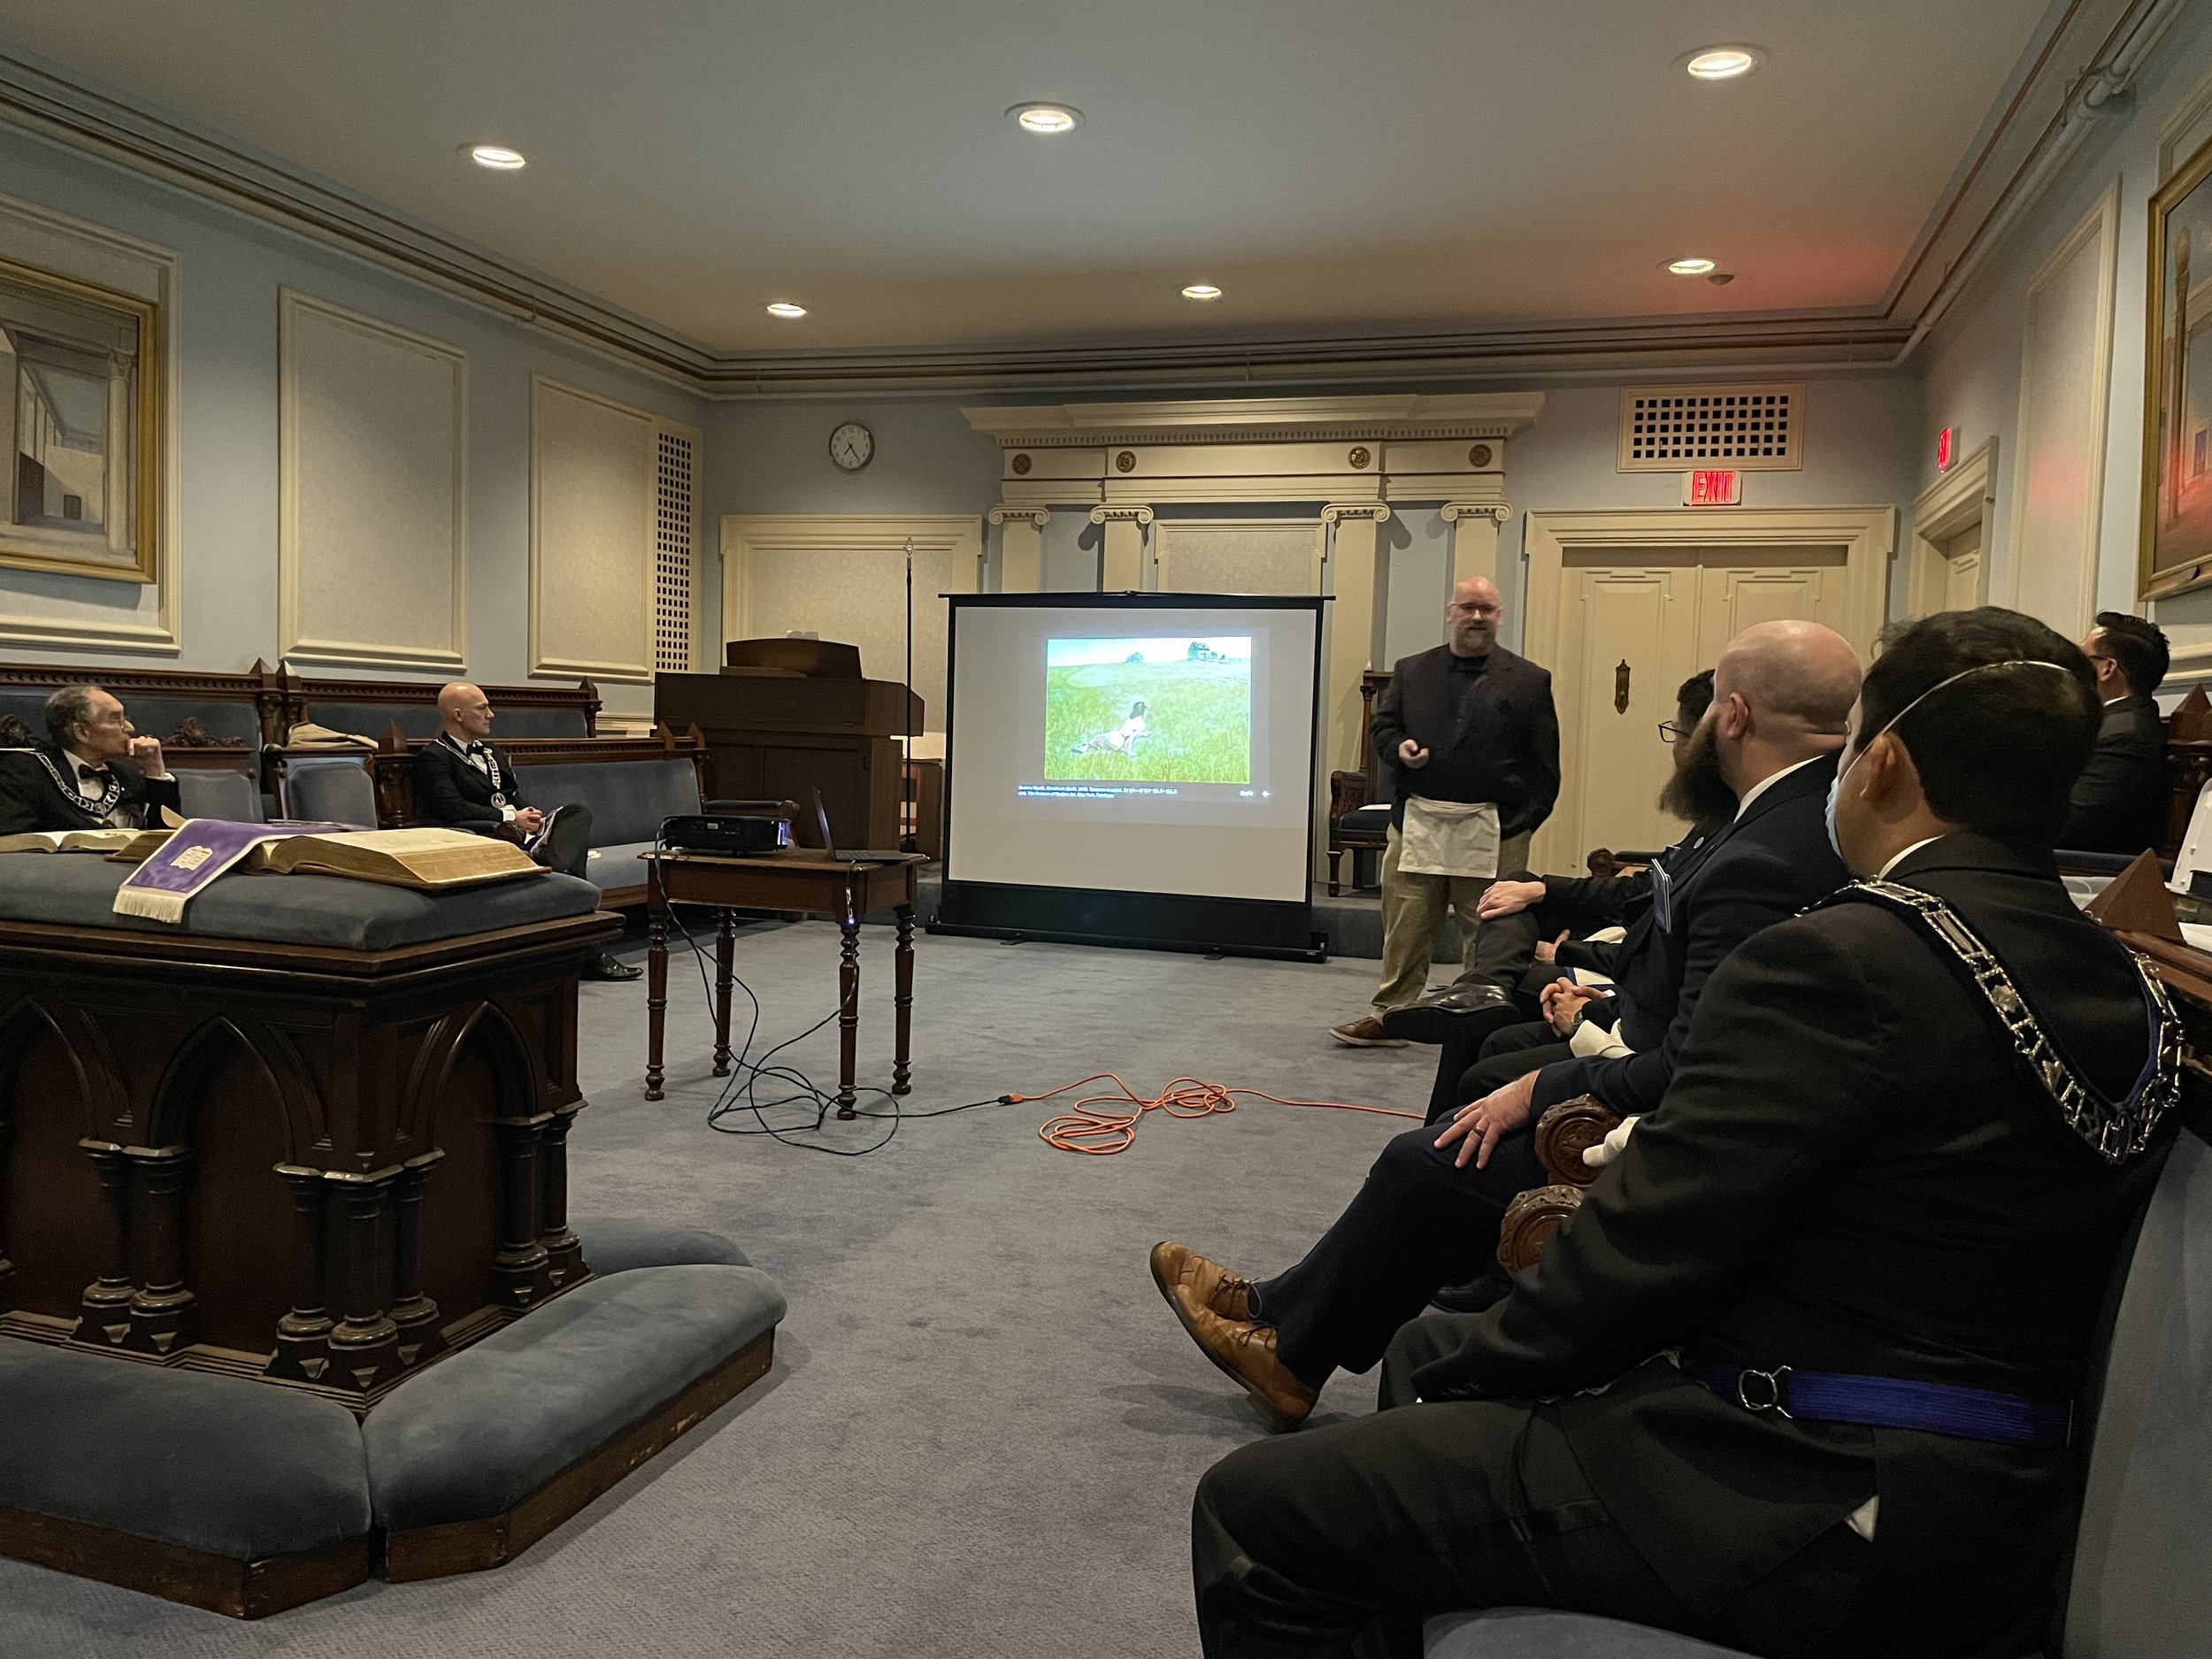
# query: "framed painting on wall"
[[80, 410], [2177, 550]]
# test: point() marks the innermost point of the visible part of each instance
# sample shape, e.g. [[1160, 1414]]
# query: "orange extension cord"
[[1101, 1134]]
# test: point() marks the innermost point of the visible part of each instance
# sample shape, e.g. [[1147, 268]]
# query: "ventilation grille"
[[671, 588], [1679, 428]]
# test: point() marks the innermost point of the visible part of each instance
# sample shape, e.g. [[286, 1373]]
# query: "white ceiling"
[[1333, 167]]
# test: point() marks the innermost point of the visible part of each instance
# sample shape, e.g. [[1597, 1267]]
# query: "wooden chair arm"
[[1530, 1221], [1348, 791], [1567, 1131]]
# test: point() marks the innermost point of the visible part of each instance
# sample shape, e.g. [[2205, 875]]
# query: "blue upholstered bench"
[[628, 800], [247, 1499], [2139, 1584]]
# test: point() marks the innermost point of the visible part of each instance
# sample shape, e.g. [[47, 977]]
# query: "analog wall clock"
[[852, 446]]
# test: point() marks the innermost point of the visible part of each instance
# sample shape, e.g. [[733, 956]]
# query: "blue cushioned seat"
[[219, 1464], [330, 789], [481, 1431], [2138, 1585], [219, 792], [75, 890], [616, 866], [616, 1244], [628, 798]]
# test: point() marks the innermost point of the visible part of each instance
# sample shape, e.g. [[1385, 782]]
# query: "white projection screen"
[[1132, 768]]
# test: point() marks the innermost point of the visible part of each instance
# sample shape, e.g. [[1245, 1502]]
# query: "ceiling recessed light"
[[1722, 63], [785, 308], [498, 158], [1046, 117], [1201, 291], [1691, 267]]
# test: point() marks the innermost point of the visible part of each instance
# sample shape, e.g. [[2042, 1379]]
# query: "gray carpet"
[[983, 1427]]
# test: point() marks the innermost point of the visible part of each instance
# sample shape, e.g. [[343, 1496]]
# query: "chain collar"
[[99, 806], [2116, 1130]]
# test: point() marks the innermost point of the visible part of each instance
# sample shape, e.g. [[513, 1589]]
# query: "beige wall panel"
[[1271, 557], [1250, 460], [858, 596], [1453, 455], [1037, 465], [374, 548], [593, 484]]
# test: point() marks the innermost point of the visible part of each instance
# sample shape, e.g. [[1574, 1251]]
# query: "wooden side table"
[[845, 892]]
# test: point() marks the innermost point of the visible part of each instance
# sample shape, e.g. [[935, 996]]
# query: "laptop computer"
[[829, 843]]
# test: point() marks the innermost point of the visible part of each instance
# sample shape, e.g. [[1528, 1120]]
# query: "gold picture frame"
[[81, 400], [2176, 552]]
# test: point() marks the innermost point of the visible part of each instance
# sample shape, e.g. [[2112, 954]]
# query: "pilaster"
[[1121, 565], [1474, 536], [1355, 574], [1021, 548]]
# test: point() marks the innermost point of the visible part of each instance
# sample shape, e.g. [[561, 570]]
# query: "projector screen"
[[1145, 743]]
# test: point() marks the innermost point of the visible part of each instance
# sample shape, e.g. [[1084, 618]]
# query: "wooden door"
[[1963, 574], [1630, 641]]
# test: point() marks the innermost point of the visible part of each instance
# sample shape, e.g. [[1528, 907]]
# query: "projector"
[[727, 833]]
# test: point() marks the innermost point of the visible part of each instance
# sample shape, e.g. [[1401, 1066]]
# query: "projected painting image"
[[1173, 709]]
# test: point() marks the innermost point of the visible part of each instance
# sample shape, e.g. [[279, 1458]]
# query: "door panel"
[[1731, 598], [1612, 761], [1963, 579]]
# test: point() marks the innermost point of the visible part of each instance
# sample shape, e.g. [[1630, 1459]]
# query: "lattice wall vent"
[[672, 561], [1679, 428]]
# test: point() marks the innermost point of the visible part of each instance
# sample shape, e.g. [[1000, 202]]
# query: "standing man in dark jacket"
[[1875, 1224], [2120, 802], [462, 781], [1472, 739]]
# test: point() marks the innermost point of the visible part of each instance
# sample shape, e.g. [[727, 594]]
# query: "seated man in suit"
[[1528, 919], [462, 781], [1425, 1215], [1798, 1376], [94, 771], [2120, 803]]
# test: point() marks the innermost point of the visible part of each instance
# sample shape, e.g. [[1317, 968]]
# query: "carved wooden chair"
[[1359, 801], [1564, 1133]]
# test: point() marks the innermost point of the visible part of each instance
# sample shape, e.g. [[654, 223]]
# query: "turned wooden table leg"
[[725, 971], [902, 1002], [849, 1009], [655, 977]]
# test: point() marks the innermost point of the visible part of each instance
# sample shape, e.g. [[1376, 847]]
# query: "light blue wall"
[[232, 269], [1970, 365]]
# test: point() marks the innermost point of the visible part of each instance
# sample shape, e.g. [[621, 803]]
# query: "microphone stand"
[[909, 793]]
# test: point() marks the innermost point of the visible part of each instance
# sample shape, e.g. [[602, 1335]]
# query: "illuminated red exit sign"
[[1944, 441], [1712, 490]]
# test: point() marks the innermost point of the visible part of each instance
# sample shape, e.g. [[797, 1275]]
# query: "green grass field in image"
[[1198, 721]]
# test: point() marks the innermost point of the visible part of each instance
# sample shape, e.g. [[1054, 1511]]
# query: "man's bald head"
[[1791, 672], [1473, 615], [463, 711]]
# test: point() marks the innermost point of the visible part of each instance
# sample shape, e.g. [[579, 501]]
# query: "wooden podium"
[[785, 717]]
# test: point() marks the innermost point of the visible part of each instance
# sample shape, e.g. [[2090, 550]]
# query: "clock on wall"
[[852, 446]]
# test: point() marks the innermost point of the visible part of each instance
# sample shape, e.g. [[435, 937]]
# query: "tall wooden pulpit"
[[786, 717]]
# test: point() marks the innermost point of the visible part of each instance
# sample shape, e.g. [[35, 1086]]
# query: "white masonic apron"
[[1448, 837]]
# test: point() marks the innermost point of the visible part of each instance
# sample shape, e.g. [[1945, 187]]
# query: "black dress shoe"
[[1477, 1295], [1457, 1011], [607, 967]]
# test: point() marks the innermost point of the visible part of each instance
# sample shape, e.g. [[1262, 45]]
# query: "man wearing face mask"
[[1867, 1237], [1428, 1214]]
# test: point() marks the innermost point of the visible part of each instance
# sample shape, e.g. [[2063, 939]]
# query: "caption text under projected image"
[[1173, 709]]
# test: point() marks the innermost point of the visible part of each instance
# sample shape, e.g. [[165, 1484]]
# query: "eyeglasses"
[[1673, 730]]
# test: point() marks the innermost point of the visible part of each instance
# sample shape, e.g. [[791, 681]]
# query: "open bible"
[[117, 843], [430, 859]]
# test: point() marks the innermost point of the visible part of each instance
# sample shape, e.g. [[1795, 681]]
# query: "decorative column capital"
[[1336, 511], [1496, 511], [1124, 513], [1004, 514]]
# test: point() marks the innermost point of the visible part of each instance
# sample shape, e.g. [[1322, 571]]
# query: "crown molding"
[[2043, 118], [1257, 420]]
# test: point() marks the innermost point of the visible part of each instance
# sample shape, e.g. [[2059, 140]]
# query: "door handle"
[[1620, 688]]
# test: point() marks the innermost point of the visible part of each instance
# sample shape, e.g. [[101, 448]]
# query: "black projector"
[[727, 832]]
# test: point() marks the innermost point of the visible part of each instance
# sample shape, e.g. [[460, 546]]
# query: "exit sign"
[[1712, 490], [1945, 439]]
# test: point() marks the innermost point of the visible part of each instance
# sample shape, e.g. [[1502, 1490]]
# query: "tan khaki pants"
[[1413, 907]]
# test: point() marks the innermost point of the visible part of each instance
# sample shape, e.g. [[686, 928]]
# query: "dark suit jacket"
[[31, 800], [1766, 865], [1853, 1171], [1508, 751], [2120, 800], [452, 794]]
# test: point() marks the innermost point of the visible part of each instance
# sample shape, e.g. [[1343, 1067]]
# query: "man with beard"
[[1428, 1214], [1526, 919]]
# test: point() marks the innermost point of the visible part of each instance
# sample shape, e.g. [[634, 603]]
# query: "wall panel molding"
[[373, 487], [594, 521]]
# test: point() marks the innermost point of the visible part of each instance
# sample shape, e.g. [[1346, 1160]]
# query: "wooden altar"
[[320, 1167]]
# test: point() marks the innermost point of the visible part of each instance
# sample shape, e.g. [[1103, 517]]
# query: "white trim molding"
[[294, 309], [1960, 499]]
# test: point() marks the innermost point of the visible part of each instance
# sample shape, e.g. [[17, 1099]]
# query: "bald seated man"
[[1428, 1217], [462, 781]]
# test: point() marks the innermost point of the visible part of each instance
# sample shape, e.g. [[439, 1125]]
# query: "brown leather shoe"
[[1366, 1032], [1177, 1269], [1246, 1353]]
